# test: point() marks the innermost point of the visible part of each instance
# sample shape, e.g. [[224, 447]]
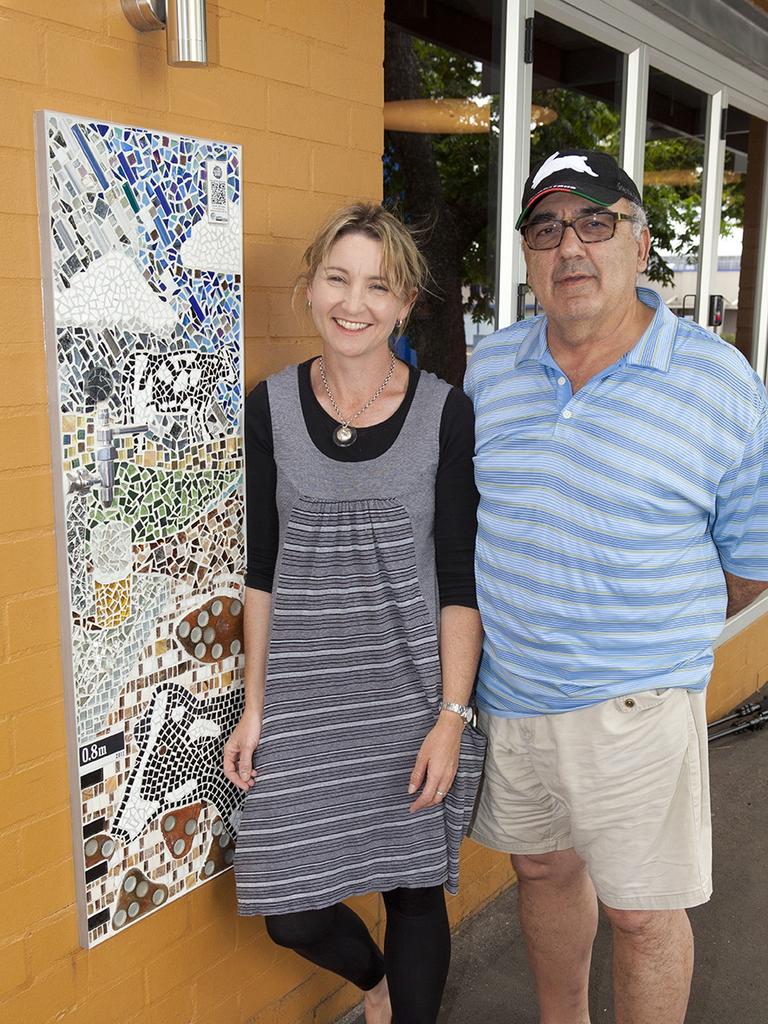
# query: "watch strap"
[[463, 710]]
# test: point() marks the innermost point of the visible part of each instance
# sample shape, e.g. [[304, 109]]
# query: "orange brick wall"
[[299, 85]]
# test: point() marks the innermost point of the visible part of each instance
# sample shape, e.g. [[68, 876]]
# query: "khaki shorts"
[[624, 783]]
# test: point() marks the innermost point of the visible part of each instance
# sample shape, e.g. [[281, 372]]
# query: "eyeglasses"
[[591, 227]]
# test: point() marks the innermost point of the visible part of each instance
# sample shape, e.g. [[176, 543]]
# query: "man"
[[621, 461]]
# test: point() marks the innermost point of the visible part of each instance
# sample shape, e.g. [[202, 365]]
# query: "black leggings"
[[417, 948]]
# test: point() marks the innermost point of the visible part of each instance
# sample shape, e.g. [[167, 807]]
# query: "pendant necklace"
[[345, 434]]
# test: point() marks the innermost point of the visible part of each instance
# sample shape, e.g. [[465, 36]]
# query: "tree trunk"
[[436, 327]]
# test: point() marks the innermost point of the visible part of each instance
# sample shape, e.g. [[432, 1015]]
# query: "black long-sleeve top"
[[456, 497]]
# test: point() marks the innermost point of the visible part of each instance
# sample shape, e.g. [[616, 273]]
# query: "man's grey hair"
[[639, 219]]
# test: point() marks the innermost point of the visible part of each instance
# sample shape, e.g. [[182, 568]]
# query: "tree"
[[434, 181]]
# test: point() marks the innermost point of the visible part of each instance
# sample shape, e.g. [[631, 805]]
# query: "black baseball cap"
[[583, 172]]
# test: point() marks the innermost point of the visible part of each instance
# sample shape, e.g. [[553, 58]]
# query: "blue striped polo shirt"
[[607, 516]]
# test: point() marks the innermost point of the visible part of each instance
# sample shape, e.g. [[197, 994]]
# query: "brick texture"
[[300, 87], [19, 250], [13, 971], [282, 82], [21, 323], [22, 50], [26, 499], [23, 378], [17, 180]]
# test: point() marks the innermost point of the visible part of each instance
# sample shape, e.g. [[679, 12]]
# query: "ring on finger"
[[440, 792]]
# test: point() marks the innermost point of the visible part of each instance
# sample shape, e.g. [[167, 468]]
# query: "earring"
[[309, 303], [398, 324]]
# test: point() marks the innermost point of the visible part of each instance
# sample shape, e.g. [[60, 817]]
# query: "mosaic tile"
[[179, 829], [179, 739], [138, 896], [181, 396], [220, 455], [81, 592], [113, 290], [211, 554], [142, 249], [177, 393], [208, 248], [156, 504], [214, 631], [221, 852], [104, 660], [98, 848]]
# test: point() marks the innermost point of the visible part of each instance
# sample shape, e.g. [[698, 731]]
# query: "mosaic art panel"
[[142, 250]]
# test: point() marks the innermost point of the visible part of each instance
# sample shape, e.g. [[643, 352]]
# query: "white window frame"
[[517, 79]]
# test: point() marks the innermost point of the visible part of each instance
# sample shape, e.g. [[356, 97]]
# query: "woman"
[[360, 619]]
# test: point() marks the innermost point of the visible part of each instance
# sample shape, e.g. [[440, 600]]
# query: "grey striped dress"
[[353, 675]]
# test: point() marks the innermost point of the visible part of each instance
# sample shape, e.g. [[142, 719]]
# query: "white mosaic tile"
[[113, 292], [212, 246]]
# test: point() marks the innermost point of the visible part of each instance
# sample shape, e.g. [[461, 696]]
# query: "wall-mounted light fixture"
[[184, 21]]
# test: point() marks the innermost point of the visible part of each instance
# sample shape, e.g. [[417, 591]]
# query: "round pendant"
[[344, 435]]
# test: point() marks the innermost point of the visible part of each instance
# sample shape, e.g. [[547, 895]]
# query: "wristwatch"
[[466, 712]]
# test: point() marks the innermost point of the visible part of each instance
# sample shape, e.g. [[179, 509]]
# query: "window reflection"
[[577, 97], [441, 119], [739, 246], [674, 167], [577, 91]]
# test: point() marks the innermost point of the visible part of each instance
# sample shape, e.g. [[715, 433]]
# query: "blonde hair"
[[402, 266]]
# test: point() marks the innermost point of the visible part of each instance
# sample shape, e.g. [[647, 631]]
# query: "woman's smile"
[[350, 325]]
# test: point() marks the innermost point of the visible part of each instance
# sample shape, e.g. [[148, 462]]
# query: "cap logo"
[[556, 163]]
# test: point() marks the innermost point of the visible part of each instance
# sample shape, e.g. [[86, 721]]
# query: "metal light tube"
[[187, 41]]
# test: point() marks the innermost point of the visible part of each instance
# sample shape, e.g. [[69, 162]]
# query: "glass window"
[[577, 97], [674, 167], [738, 250], [577, 91], [441, 119]]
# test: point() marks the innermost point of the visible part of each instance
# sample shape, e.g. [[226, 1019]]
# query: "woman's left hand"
[[437, 761]]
